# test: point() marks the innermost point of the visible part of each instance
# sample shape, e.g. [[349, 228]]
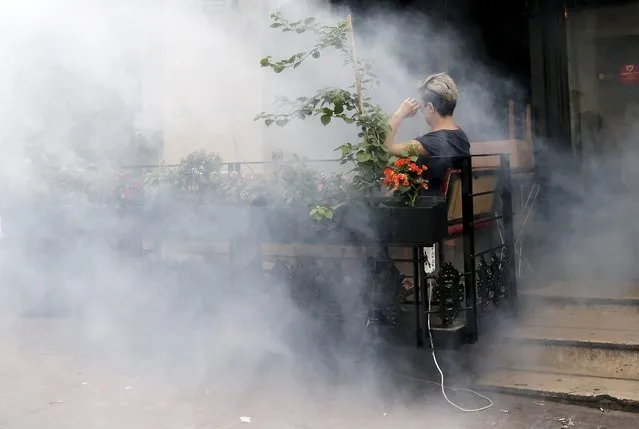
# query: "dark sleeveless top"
[[441, 143]]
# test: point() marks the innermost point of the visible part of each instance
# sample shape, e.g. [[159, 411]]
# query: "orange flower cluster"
[[393, 180], [400, 174]]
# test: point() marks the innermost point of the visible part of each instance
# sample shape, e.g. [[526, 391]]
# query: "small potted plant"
[[404, 178], [409, 217]]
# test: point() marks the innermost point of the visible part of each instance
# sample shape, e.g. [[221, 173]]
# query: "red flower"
[[406, 174]]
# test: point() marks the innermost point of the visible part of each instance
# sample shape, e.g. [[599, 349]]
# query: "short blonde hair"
[[441, 91]]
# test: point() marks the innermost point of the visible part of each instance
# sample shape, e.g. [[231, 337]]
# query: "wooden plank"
[[521, 154]]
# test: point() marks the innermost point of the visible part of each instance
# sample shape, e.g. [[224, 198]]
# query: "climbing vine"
[[368, 156]]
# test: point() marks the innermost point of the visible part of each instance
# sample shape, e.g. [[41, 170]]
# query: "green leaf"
[[413, 158], [278, 68], [281, 122], [264, 62], [309, 20], [327, 111], [268, 122], [316, 54], [348, 120], [345, 149], [300, 30], [363, 157], [276, 25], [339, 108], [325, 119], [392, 159]]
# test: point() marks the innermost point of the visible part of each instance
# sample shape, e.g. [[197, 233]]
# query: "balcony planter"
[[423, 224]]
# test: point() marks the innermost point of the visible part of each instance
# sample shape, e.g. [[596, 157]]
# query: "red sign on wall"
[[629, 74]]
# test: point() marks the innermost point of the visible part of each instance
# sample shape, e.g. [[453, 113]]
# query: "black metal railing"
[[469, 290], [495, 281]]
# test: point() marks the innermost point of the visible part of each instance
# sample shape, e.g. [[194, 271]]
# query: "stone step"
[[599, 391], [566, 359], [540, 311], [566, 350], [574, 341], [583, 337], [582, 292]]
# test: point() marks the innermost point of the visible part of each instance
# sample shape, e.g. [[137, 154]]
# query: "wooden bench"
[[484, 181]]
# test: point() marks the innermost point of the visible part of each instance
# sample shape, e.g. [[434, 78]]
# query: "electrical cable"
[[441, 384], [441, 373]]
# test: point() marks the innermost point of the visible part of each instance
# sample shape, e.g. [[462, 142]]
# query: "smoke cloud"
[[90, 89]]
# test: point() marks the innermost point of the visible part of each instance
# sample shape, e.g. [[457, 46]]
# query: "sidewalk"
[[50, 384]]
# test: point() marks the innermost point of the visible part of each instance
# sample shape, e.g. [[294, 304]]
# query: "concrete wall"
[[210, 94]]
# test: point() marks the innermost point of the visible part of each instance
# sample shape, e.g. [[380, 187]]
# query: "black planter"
[[424, 224]]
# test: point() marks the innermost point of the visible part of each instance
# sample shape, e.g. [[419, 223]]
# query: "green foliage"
[[369, 156], [327, 37], [196, 175], [53, 176], [320, 213], [291, 181], [288, 180]]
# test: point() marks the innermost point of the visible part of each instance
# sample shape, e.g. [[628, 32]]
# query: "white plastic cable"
[[441, 373]]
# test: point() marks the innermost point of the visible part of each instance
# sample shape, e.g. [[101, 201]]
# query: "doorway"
[[617, 62]]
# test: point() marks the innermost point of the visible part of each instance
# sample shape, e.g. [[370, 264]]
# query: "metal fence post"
[[509, 234], [469, 249], [417, 288]]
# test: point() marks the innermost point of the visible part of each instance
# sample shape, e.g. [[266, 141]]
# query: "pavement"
[[49, 381]]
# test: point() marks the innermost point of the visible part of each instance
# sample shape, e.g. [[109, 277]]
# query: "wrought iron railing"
[[486, 281]]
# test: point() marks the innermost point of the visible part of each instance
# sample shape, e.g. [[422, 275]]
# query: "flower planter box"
[[424, 224]]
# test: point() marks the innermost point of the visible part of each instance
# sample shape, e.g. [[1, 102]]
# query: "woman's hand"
[[408, 108]]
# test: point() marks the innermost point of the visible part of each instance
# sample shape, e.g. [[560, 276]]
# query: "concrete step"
[[582, 292], [537, 311], [574, 341], [574, 351], [581, 306], [599, 391], [584, 337]]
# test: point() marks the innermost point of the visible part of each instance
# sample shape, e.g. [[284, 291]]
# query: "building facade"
[[585, 78], [210, 94]]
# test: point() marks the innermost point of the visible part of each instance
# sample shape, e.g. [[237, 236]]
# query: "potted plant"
[[363, 214], [407, 216], [193, 193]]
